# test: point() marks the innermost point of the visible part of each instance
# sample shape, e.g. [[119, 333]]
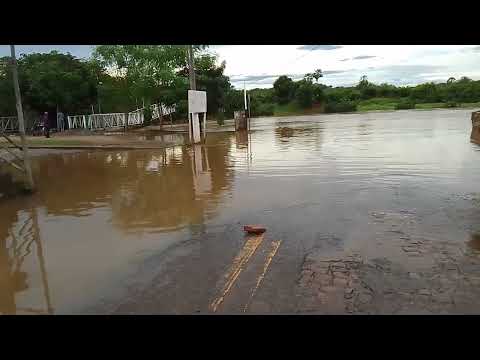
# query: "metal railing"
[[77, 121], [161, 109], [135, 117], [8, 124], [104, 121], [113, 120]]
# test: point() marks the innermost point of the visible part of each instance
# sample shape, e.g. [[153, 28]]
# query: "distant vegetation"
[[120, 78], [289, 97]]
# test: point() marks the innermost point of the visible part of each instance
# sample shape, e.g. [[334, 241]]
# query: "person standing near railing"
[[45, 125], [60, 121]]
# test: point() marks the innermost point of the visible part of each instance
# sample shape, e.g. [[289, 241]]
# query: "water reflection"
[[241, 139], [161, 189], [14, 250]]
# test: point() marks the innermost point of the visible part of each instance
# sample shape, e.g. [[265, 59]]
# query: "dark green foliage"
[[284, 89], [338, 107], [54, 79], [210, 78], [181, 111], [342, 94], [318, 94], [451, 104], [7, 95], [234, 101], [263, 109], [304, 94]]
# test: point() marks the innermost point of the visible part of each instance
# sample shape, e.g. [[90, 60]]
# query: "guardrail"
[[163, 110], [77, 121], [8, 124], [113, 120], [104, 121], [135, 117]]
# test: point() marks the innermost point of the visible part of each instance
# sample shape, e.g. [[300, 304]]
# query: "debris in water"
[[254, 229]]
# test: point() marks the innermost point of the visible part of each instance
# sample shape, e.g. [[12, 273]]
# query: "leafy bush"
[[263, 109], [304, 94], [181, 110], [404, 105], [318, 94], [451, 104], [338, 107], [284, 89]]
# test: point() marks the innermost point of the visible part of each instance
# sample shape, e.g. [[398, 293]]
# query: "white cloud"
[[397, 64], [260, 65]]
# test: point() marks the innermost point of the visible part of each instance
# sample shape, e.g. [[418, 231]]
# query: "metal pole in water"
[[21, 122]]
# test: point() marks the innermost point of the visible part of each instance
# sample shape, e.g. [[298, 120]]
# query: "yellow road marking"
[[275, 246], [237, 266]]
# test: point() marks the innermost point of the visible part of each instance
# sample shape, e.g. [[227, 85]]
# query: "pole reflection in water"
[[13, 279], [202, 176]]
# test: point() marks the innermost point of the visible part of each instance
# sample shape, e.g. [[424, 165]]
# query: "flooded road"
[[363, 198]]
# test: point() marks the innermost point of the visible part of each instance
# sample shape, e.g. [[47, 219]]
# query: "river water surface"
[[155, 231]]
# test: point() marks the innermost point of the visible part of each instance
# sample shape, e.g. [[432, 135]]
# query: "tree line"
[[120, 78]]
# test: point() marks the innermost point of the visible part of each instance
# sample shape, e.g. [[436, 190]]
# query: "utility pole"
[[191, 68], [21, 123], [193, 86]]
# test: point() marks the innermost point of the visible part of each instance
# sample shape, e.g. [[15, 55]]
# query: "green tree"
[[318, 94], [7, 96], [364, 83], [317, 74], [233, 101], [145, 69], [284, 89], [54, 79], [304, 94], [210, 78]]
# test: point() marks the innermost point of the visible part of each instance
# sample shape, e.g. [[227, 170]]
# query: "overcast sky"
[[342, 65]]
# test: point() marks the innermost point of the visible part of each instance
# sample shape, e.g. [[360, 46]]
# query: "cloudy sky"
[[342, 65]]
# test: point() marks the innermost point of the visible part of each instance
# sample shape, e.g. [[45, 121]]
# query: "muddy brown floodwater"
[[365, 213]]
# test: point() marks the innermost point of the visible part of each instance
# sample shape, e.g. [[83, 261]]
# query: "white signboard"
[[197, 101]]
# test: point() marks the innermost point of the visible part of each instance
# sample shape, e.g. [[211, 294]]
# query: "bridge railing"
[[8, 124], [104, 121], [77, 121], [113, 120], [161, 109], [135, 117]]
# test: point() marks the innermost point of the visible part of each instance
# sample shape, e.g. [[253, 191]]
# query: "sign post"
[[197, 104]]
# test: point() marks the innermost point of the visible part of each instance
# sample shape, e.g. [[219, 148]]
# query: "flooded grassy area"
[[365, 213]]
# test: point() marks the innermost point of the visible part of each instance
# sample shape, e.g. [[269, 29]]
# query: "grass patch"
[[431, 106], [469, 105]]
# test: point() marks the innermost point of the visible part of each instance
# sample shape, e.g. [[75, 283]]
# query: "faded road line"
[[237, 266], [275, 246]]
